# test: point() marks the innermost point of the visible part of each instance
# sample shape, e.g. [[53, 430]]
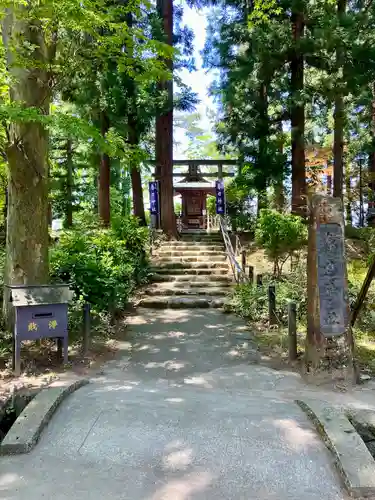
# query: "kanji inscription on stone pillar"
[[331, 270], [329, 342]]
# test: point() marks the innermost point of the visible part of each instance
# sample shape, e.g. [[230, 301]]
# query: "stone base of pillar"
[[331, 361]]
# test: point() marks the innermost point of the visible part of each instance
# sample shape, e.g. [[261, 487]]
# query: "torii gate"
[[194, 188]]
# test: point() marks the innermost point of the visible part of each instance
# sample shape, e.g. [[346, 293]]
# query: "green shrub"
[[211, 205], [237, 210], [364, 235], [251, 301], [237, 198], [280, 235], [102, 266]]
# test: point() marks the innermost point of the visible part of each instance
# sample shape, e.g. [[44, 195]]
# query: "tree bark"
[[69, 185], [339, 115], [262, 201], [133, 139], [27, 220], [164, 134], [104, 200], [279, 191], [349, 196], [298, 118], [138, 205], [338, 147], [371, 203]]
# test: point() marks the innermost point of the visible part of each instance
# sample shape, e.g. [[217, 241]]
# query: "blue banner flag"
[[220, 198], [154, 198]]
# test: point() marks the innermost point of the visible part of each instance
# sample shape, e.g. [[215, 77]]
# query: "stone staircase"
[[191, 272]]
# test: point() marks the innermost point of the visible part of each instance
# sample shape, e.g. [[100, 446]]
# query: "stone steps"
[[188, 271], [187, 259], [189, 253], [189, 291], [191, 244], [196, 279], [181, 302], [201, 241], [186, 246], [171, 265]]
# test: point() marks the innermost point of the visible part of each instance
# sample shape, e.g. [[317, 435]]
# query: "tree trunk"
[[349, 196], [69, 185], [138, 205], [50, 215], [339, 115], [27, 221], [298, 119], [371, 203], [104, 200], [164, 134], [338, 147], [125, 190], [279, 191], [133, 139], [5, 210], [263, 137]]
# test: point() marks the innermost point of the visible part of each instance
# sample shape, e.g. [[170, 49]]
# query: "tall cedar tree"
[[164, 133]]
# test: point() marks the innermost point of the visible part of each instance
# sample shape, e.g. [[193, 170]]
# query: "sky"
[[198, 80]]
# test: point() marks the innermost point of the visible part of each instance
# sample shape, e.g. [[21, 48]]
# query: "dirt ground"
[[41, 366]]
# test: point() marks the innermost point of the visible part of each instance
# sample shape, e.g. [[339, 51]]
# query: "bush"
[[237, 209], [211, 205], [251, 302], [280, 235], [365, 235], [237, 198], [102, 266]]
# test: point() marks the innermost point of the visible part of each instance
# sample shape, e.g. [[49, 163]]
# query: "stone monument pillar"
[[329, 340]]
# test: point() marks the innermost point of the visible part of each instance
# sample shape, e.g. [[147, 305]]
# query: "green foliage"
[[238, 209], [250, 45], [102, 266], [280, 235], [364, 236], [211, 205], [250, 301], [177, 207], [238, 198]]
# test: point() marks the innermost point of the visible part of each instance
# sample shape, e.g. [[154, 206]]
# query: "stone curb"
[[26, 430], [353, 460]]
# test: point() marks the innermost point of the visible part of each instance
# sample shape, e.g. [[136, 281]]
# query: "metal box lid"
[[34, 295]]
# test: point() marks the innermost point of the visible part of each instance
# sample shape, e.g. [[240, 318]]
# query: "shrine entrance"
[[195, 186]]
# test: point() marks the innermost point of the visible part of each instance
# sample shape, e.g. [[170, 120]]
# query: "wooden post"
[[272, 305], [59, 343], [243, 260], [329, 340], [219, 171], [251, 275], [329, 185], [292, 331], [362, 293], [86, 327], [259, 279]]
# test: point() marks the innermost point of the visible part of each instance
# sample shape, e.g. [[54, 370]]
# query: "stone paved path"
[[185, 413]]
